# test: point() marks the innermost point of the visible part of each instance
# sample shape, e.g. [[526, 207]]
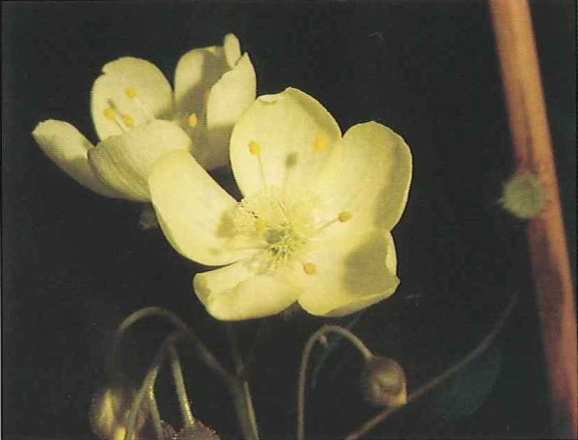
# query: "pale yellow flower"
[[314, 224], [138, 118]]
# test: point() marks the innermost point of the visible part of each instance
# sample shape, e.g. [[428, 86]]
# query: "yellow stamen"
[[310, 268], [130, 92], [192, 120], [254, 148], [344, 216], [110, 113], [321, 142], [128, 120]]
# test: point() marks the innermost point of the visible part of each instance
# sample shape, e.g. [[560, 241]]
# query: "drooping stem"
[[180, 387], [147, 385], [236, 384], [426, 388], [201, 350], [547, 240], [357, 343], [241, 392]]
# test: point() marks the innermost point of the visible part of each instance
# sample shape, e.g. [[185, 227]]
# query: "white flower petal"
[[293, 133], [68, 148], [232, 49], [237, 292], [135, 89], [197, 71], [228, 100], [368, 175], [125, 161], [350, 274], [194, 211]]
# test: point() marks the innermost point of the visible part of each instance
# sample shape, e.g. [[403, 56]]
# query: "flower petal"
[[367, 175], [193, 211], [197, 71], [228, 100], [238, 292], [290, 135], [136, 91], [68, 148], [350, 275], [232, 49], [125, 161]]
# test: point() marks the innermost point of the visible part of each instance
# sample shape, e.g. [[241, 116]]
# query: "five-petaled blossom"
[[138, 119], [314, 223]]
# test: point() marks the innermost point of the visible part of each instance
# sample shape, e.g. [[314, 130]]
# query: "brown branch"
[[548, 248]]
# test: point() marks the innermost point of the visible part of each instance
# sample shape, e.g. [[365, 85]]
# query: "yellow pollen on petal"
[[254, 148], [130, 92], [109, 113], [321, 142], [128, 120], [310, 268], [344, 216], [193, 120]]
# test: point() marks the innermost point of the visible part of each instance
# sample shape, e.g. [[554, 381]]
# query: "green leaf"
[[465, 393]]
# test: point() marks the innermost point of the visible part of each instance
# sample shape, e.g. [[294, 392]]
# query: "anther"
[[192, 120], [130, 92], [310, 268], [128, 120], [344, 216], [110, 113], [320, 143], [254, 148]]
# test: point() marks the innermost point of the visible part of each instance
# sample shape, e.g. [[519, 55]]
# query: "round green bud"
[[524, 196], [384, 382]]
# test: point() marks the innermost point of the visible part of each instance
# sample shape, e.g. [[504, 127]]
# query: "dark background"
[[75, 264]]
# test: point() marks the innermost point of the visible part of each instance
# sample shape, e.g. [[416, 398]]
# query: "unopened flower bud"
[[109, 413], [384, 382]]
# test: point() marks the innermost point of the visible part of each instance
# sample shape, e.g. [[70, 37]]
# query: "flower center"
[[283, 241], [283, 223]]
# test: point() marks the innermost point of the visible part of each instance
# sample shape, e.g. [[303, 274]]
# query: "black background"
[[74, 264]]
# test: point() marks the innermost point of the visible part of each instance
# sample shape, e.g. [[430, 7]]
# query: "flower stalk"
[[155, 414], [147, 387], [236, 383], [180, 387], [319, 334]]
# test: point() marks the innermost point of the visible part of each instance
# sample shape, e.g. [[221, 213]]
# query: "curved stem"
[[238, 387], [202, 351], [357, 343], [424, 389], [147, 386], [180, 387]]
